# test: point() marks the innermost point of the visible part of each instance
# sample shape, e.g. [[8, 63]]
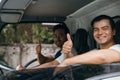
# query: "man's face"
[[59, 37], [103, 32]]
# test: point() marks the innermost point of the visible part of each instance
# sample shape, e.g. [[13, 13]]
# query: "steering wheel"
[[5, 67], [30, 62], [1, 72]]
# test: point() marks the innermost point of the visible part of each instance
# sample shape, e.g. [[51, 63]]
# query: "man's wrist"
[[66, 63]]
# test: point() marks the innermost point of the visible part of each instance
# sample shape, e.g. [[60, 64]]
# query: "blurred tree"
[[26, 33]]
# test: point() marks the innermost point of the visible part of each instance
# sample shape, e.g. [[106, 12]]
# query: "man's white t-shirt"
[[55, 52], [61, 57], [115, 47]]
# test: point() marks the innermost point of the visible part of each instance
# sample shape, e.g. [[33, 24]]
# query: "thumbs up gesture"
[[38, 49], [67, 45]]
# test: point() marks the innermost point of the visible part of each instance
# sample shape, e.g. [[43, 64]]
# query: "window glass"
[[26, 33], [113, 78]]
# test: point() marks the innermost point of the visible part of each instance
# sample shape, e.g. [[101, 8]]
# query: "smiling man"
[[108, 52]]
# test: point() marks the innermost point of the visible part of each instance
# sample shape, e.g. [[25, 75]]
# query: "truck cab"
[[20, 19]]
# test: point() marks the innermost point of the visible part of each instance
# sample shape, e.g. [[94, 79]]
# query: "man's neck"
[[107, 45]]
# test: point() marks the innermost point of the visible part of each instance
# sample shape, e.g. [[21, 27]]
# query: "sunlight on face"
[[102, 32]]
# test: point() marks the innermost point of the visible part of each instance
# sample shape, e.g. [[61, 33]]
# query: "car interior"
[[41, 15]]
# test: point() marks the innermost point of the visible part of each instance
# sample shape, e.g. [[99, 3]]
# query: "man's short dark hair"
[[101, 17], [61, 26]]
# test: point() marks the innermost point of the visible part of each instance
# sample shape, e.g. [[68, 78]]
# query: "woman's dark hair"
[[80, 42], [101, 17], [117, 35], [61, 26]]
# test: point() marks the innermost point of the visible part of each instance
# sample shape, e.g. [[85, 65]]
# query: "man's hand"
[[38, 49], [19, 67], [67, 45]]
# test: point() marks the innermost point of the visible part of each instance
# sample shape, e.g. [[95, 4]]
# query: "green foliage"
[[21, 35], [41, 34], [8, 34], [25, 33]]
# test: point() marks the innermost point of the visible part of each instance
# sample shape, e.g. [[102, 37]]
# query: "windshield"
[[18, 42]]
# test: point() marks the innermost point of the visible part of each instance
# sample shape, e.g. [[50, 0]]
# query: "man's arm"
[[94, 57], [48, 64], [42, 59], [53, 63], [91, 57]]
